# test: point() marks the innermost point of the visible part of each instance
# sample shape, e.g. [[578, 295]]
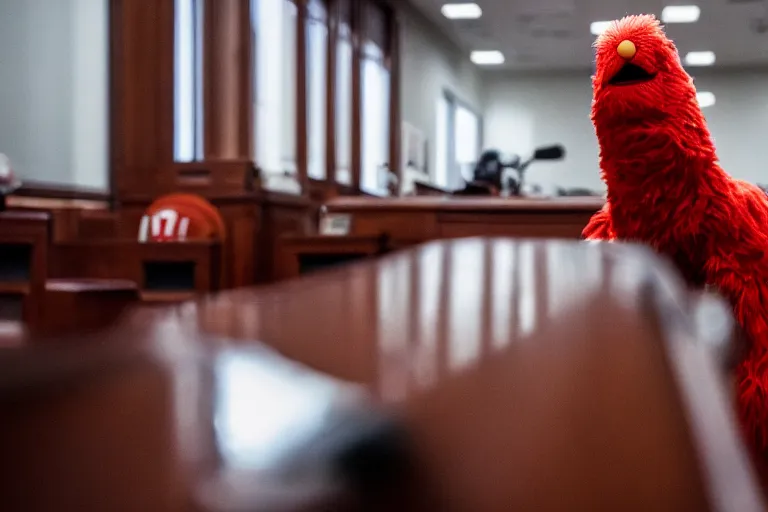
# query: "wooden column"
[[358, 40], [227, 110], [302, 133], [395, 124], [330, 93], [141, 92]]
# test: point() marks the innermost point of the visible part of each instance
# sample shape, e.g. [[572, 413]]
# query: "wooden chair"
[[29, 300], [24, 240]]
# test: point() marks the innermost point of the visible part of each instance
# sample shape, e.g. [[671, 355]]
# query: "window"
[[274, 23], [466, 140], [317, 68], [375, 113], [458, 143], [344, 96], [375, 105], [442, 141], [188, 81]]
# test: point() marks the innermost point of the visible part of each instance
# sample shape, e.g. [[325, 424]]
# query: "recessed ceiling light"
[[598, 27], [487, 57], [705, 99], [466, 11], [680, 14], [700, 58]]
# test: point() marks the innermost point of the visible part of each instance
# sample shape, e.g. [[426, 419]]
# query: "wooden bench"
[[553, 376], [164, 271]]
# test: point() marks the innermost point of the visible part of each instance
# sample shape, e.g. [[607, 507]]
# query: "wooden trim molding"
[[43, 190]]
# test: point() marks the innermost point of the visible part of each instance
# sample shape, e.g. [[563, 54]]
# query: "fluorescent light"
[[461, 11], [487, 57], [700, 58], [598, 27], [680, 14], [705, 99]]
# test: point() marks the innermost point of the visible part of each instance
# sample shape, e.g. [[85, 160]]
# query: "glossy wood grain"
[[528, 376]]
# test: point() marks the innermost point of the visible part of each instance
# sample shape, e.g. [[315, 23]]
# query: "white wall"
[[523, 111], [431, 64], [53, 90]]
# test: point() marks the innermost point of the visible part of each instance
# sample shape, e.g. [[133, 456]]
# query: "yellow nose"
[[626, 49]]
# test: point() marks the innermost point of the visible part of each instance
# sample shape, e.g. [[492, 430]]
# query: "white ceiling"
[[554, 34]]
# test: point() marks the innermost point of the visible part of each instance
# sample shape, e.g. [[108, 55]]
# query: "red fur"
[[666, 189]]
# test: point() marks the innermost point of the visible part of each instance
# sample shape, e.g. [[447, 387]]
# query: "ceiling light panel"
[[680, 14], [699, 58], [598, 27], [464, 11], [705, 99], [487, 57]]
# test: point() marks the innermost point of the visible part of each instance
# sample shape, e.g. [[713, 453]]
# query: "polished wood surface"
[[528, 376]]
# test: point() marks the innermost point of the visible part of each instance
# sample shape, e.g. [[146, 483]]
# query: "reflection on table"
[[479, 374]]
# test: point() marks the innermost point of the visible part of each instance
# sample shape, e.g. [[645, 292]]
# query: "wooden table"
[[533, 376], [428, 218], [404, 222]]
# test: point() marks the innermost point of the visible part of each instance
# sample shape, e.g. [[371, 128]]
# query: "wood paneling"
[[293, 248], [428, 218], [45, 190], [419, 219], [24, 238], [283, 215], [129, 259], [82, 305]]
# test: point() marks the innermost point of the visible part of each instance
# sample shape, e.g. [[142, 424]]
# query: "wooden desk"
[[529, 376], [429, 218], [83, 305], [302, 254]]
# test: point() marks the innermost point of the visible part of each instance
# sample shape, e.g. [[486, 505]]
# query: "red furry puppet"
[[666, 189]]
